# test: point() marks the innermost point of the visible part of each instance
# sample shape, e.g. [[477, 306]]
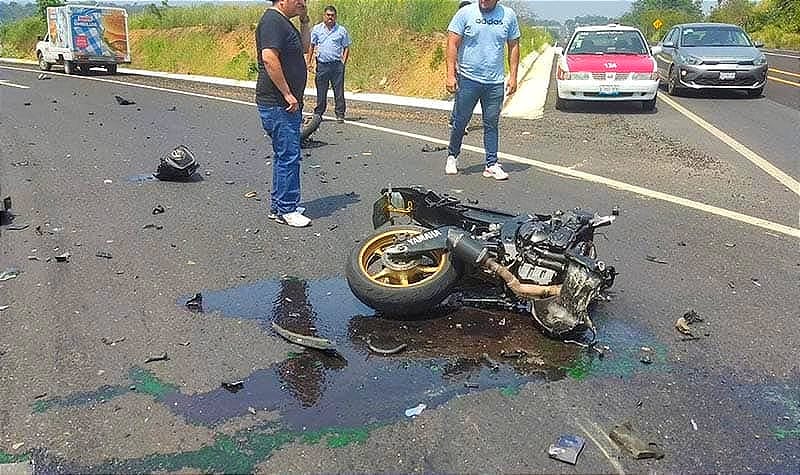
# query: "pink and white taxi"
[[607, 63]]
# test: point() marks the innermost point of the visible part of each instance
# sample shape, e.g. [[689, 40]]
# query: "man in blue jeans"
[[281, 82], [330, 47], [476, 40]]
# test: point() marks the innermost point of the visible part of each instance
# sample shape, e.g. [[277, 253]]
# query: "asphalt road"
[[78, 396], [784, 77]]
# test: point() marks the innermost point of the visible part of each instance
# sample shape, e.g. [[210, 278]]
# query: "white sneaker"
[[299, 209], [294, 219], [495, 171], [451, 166]]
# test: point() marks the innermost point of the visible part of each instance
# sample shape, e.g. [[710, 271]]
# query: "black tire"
[[111, 68], [43, 65], [673, 83], [561, 104], [755, 92], [309, 126], [422, 289], [649, 105], [69, 67]]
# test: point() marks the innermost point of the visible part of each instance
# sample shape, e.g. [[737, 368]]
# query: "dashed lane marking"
[[5, 82]]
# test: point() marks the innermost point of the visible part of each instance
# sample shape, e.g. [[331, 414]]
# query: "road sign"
[[658, 23]]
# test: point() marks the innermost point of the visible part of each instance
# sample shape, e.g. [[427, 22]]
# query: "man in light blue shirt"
[[476, 40], [330, 48]]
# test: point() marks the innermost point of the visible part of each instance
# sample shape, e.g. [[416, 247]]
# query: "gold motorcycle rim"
[[405, 274]]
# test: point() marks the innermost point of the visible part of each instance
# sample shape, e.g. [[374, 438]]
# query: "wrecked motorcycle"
[[543, 264]]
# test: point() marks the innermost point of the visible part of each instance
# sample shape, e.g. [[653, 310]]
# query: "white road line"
[[4, 82], [756, 159], [782, 55], [558, 169]]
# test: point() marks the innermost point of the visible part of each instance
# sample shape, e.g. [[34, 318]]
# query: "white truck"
[[80, 37]]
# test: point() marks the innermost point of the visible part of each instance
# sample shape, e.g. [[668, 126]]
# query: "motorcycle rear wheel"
[[399, 288]]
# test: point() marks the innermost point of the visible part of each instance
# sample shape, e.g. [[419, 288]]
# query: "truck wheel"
[[69, 67], [43, 65], [111, 68], [396, 288]]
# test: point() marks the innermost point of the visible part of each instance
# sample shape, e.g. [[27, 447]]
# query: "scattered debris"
[[9, 274], [185, 343], [17, 445], [40, 396], [152, 226], [250, 194], [107, 182], [694, 424], [493, 365], [303, 340], [158, 209], [730, 244], [567, 448], [23, 163], [172, 109], [755, 282], [42, 77], [389, 351], [4, 307], [655, 259], [332, 227], [688, 318], [415, 411], [63, 257], [17, 227], [195, 304], [123, 102], [162, 357], [625, 437], [103, 254], [682, 243], [110, 342], [427, 148], [471, 385], [646, 355], [251, 410], [518, 353], [177, 165], [234, 386]]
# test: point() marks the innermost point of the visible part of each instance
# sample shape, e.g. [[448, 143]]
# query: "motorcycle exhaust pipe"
[[471, 250]]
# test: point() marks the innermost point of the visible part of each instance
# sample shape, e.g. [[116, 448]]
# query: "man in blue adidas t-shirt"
[[477, 36]]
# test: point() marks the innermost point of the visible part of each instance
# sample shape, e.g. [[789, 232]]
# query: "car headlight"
[[761, 60], [580, 76], [644, 76], [691, 60]]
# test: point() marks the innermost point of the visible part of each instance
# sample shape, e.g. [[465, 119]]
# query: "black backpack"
[[177, 165]]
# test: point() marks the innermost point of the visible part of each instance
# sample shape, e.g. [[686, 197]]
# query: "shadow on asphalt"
[[327, 205]]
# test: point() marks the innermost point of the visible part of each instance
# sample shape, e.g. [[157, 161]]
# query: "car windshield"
[[714, 36], [607, 42]]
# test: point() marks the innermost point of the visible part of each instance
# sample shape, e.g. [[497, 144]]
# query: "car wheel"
[[69, 67], [43, 65], [649, 105], [755, 92], [561, 104], [673, 89]]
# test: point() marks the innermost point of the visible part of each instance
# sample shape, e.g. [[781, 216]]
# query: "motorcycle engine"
[[541, 245]]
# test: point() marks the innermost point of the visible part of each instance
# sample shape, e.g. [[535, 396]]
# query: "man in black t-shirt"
[[281, 81]]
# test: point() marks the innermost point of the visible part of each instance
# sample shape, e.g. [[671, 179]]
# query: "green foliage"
[[41, 6], [438, 57], [18, 39], [671, 12], [224, 17], [737, 12], [13, 11]]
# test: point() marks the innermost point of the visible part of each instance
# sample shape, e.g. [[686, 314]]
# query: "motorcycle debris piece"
[[415, 411], [682, 326], [112, 342], [9, 274], [692, 317], [427, 148], [625, 436], [646, 355], [195, 304], [17, 227], [655, 259], [493, 365], [4, 307], [162, 357], [471, 385], [234, 386], [567, 448], [158, 209], [123, 102], [388, 351], [250, 194], [152, 226], [177, 165], [303, 340], [63, 257], [103, 254]]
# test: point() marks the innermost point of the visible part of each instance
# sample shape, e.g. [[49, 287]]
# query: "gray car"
[[710, 56]]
